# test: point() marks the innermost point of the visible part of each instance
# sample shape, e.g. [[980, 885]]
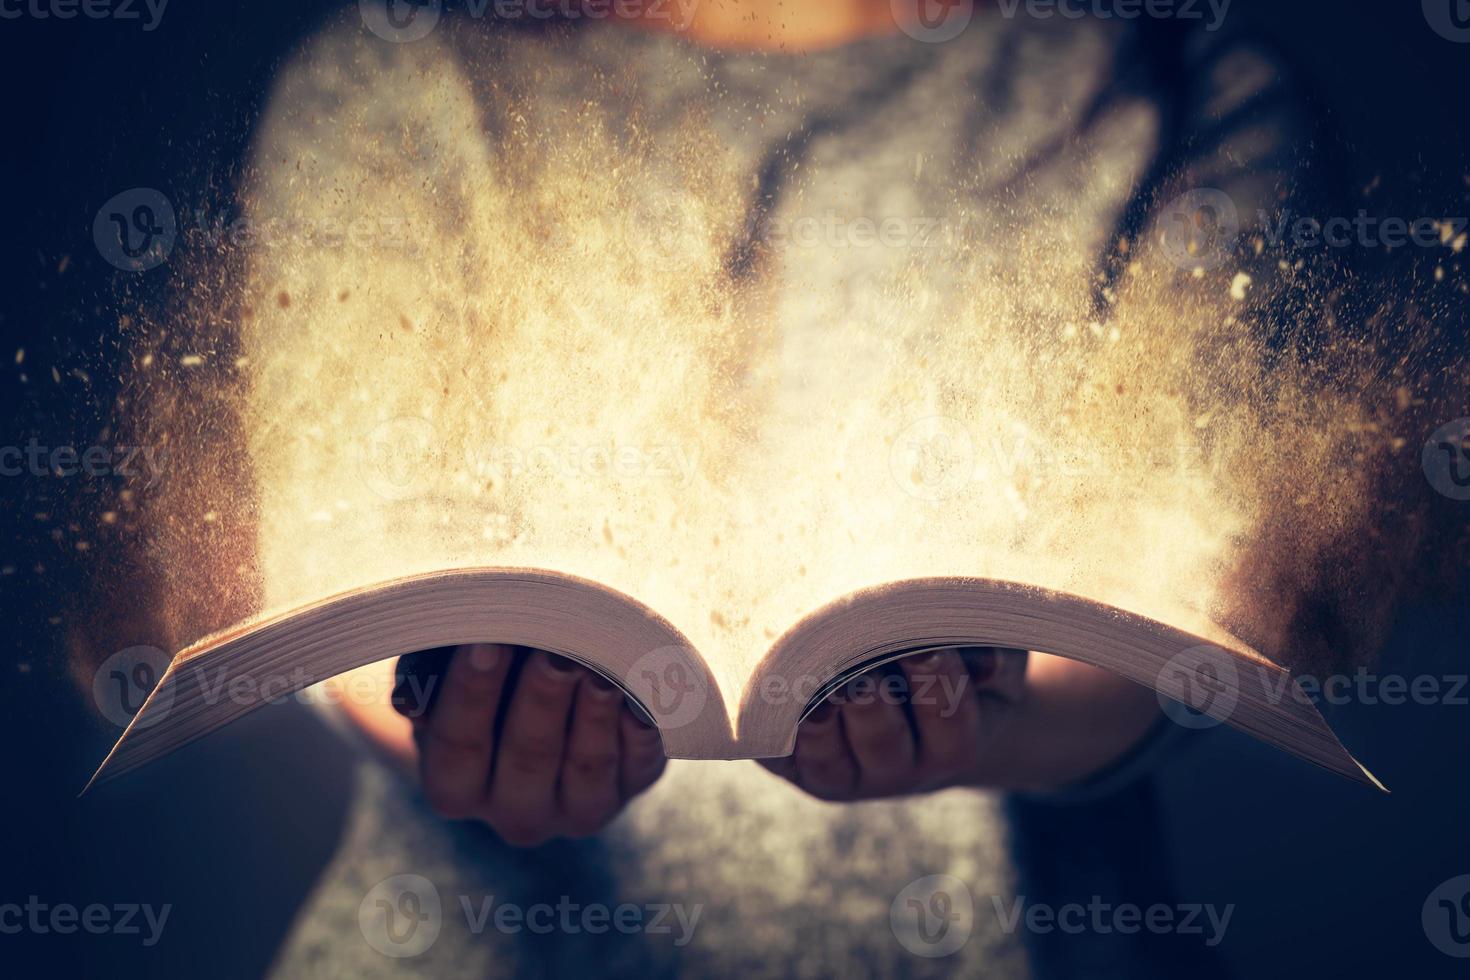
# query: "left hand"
[[922, 724]]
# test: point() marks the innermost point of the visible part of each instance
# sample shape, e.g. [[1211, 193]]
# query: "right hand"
[[533, 744]]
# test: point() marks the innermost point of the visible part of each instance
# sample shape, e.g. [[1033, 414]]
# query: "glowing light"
[[535, 355]]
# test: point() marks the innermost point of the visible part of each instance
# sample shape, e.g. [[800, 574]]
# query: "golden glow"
[[531, 354]]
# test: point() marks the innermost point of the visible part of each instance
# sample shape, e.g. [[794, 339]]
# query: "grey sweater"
[[1022, 138]]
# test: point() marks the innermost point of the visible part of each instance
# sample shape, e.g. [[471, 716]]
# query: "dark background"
[[1328, 878]]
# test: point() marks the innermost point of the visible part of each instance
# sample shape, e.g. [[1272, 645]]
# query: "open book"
[[656, 666]]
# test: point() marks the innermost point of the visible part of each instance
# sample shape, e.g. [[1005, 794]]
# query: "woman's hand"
[[532, 744], [922, 724], [996, 719]]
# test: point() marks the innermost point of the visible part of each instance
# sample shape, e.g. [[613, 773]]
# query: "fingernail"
[[639, 715], [602, 686], [560, 666], [483, 656], [982, 663], [860, 689]]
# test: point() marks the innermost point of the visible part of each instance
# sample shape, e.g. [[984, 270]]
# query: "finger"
[[417, 678], [879, 735], [996, 672], [522, 803], [824, 765], [783, 766], [999, 679], [945, 710], [642, 753], [590, 773], [458, 739]]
